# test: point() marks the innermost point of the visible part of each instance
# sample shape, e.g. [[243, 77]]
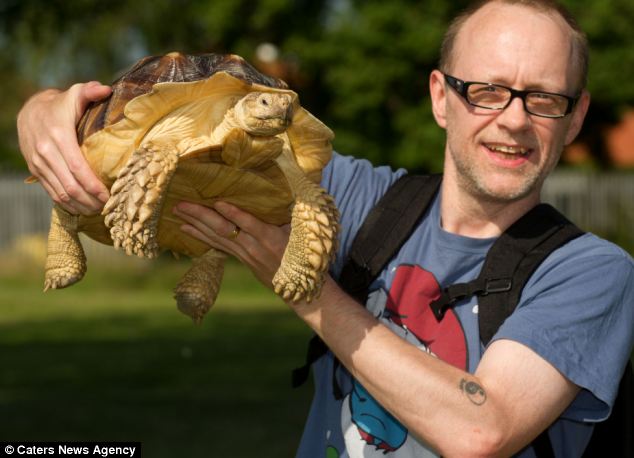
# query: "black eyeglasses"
[[497, 97]]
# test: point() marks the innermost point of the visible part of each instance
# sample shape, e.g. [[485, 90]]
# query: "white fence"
[[25, 213], [24, 209], [602, 203]]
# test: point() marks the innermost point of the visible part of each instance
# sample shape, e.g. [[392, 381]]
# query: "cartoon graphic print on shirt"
[[368, 428]]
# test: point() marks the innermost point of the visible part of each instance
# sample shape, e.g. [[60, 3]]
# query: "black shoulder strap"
[[535, 235], [388, 225], [510, 262], [385, 229]]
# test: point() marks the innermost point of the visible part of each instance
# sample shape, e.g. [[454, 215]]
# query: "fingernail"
[[103, 196], [182, 207], [221, 206]]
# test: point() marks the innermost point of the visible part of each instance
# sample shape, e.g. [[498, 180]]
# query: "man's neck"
[[466, 214]]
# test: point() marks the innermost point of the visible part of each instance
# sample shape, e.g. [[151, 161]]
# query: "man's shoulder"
[[344, 172], [590, 245], [585, 263]]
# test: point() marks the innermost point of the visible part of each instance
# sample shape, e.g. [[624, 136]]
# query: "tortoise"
[[201, 128]]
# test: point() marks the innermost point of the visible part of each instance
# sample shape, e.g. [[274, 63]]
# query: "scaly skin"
[[197, 290], [313, 239], [65, 260], [133, 210]]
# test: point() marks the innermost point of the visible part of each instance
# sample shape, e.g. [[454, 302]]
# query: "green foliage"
[[374, 60], [360, 65]]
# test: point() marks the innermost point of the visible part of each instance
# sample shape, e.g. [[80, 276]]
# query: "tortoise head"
[[264, 113]]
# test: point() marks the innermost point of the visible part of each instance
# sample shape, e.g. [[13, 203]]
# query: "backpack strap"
[[510, 262], [386, 228], [388, 225]]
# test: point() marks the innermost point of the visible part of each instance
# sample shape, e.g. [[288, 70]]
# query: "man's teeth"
[[509, 149]]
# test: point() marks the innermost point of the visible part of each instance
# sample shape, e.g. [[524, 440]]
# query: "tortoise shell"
[[173, 67], [163, 99]]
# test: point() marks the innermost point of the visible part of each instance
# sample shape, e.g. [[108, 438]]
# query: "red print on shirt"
[[413, 289]]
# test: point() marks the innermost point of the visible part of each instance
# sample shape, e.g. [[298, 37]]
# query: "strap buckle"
[[454, 293], [499, 285]]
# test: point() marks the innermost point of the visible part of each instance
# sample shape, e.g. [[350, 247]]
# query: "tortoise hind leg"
[[313, 240], [133, 210], [65, 258], [197, 290]]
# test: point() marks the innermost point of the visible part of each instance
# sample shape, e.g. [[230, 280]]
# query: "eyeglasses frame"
[[462, 87]]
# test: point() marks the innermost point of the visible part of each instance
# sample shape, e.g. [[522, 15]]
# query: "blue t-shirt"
[[576, 311]]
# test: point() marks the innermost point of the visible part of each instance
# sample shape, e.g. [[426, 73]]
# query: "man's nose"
[[514, 116]]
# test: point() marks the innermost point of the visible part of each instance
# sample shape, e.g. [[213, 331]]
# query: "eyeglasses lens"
[[497, 98]]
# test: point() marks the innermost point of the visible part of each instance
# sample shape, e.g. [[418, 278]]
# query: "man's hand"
[[48, 141], [260, 246]]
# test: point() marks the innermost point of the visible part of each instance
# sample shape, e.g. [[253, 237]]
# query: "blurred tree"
[[359, 65], [373, 60], [58, 42], [608, 25]]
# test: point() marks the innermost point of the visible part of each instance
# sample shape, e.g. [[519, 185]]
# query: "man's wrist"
[[310, 312]]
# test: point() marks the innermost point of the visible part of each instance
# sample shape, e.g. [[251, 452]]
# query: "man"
[[412, 386]]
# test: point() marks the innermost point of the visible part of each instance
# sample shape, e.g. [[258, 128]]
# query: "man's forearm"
[[450, 409]]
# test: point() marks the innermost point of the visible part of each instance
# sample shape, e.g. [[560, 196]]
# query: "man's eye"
[[485, 89]]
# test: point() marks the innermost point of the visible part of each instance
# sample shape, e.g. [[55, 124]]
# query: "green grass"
[[112, 359]]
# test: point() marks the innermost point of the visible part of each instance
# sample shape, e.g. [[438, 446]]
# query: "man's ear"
[[578, 115], [437, 90]]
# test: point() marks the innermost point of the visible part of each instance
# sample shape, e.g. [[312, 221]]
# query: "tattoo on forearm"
[[474, 392]]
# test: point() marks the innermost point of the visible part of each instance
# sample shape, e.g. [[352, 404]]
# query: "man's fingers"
[[53, 193], [93, 192], [48, 140], [194, 232], [94, 91], [91, 91], [210, 227], [246, 221], [69, 189], [258, 245], [205, 219]]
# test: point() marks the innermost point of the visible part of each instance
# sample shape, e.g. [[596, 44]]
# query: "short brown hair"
[[579, 40]]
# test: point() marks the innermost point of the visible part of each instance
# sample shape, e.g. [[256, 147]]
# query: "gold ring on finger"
[[234, 233]]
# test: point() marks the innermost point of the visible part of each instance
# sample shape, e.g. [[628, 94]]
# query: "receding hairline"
[[552, 8]]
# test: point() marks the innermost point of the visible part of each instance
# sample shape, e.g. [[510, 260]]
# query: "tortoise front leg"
[[133, 210], [197, 290], [313, 239], [65, 258]]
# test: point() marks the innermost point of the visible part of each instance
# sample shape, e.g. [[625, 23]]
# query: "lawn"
[[111, 359]]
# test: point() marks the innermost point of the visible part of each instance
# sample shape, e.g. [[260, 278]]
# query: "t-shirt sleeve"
[[577, 312], [356, 186]]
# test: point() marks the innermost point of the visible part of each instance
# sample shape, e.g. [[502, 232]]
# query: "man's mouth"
[[508, 150]]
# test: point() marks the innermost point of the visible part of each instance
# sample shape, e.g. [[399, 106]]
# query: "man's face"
[[503, 156]]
